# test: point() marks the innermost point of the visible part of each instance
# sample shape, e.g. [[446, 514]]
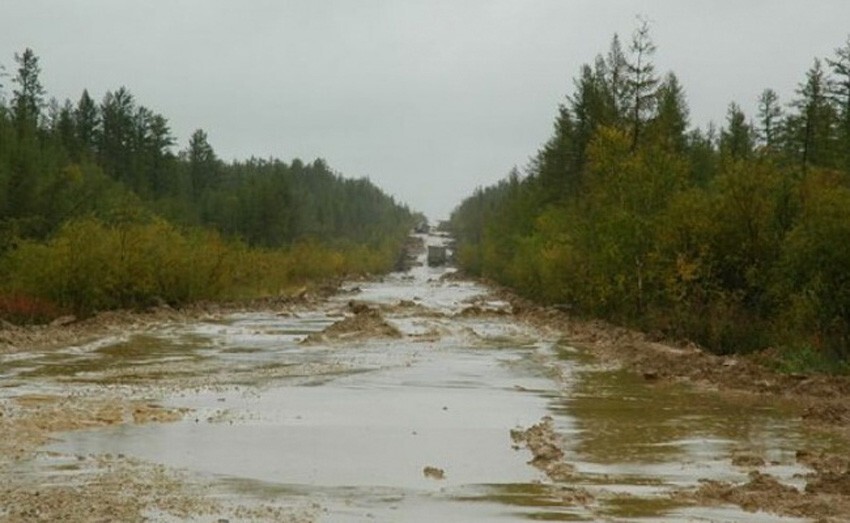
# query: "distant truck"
[[436, 255], [422, 228]]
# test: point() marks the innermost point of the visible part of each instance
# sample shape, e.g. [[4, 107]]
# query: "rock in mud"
[[434, 473], [748, 460]]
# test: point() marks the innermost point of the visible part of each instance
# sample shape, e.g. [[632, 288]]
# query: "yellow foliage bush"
[[90, 265]]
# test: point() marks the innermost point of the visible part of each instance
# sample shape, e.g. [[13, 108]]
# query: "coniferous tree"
[[839, 90], [769, 118], [617, 67], [670, 122], [810, 130], [642, 81], [115, 136], [557, 168], [28, 96], [87, 123], [203, 163], [736, 139]]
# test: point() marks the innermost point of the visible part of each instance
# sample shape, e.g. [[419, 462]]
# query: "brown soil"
[[746, 460], [821, 399], [364, 322], [764, 493], [28, 421], [129, 488], [687, 362], [120, 489], [116, 488], [434, 473], [546, 449]]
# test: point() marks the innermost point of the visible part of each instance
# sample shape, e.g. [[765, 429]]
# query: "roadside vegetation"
[[98, 210], [737, 238]]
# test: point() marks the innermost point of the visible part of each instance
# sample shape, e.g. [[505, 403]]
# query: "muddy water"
[[414, 427]]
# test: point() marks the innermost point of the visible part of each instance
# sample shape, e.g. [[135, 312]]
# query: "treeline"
[[737, 238], [98, 210]]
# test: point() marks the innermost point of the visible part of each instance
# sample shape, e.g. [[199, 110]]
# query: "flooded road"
[[396, 401]]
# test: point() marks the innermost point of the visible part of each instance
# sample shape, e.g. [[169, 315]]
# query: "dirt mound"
[[761, 492], [824, 499], [546, 448], [824, 462], [434, 473], [365, 322], [830, 483], [746, 460]]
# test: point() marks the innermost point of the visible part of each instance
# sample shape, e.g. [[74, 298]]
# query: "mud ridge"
[[363, 322], [546, 448]]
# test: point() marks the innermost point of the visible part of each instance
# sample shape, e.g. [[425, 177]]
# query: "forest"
[[735, 237], [98, 210]]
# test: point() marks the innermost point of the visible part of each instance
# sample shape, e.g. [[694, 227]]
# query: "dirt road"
[[422, 397]]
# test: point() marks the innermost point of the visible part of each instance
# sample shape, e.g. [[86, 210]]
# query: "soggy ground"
[[422, 397]]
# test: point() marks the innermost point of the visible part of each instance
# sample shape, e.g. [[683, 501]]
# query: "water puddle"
[[416, 427]]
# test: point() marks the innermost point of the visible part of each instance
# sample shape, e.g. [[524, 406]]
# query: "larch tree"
[[642, 82], [617, 69]]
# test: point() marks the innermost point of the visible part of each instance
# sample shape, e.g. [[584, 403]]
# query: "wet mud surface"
[[419, 397]]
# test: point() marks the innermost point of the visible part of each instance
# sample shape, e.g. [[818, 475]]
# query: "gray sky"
[[428, 98]]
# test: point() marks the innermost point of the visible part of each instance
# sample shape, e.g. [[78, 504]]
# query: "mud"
[[364, 322], [546, 449], [820, 399], [687, 362], [822, 499], [434, 473], [69, 330], [393, 400]]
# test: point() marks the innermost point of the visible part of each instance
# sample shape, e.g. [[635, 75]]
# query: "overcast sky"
[[428, 98]]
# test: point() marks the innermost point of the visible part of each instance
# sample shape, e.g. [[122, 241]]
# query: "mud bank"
[[820, 400], [824, 397], [69, 330]]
